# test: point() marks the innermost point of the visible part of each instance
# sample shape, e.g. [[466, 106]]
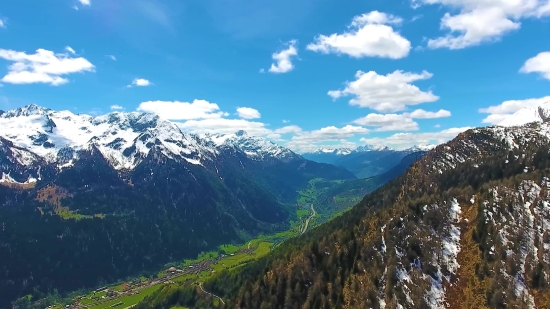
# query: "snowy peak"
[[346, 151], [124, 139], [27, 110], [371, 148], [336, 151], [527, 115], [254, 147], [416, 148]]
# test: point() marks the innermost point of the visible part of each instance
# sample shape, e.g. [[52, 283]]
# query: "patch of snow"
[[6, 178]]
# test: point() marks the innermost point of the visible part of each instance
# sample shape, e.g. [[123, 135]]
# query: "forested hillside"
[[464, 227], [83, 217]]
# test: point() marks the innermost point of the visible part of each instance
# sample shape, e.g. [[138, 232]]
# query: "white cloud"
[[399, 122], [42, 67], [422, 114], [248, 113], [85, 2], [175, 110], [283, 59], [497, 113], [388, 122], [369, 35], [386, 93], [289, 129], [538, 64], [202, 116], [2, 23], [407, 140], [116, 107], [111, 57], [286, 121], [437, 126], [140, 82], [70, 50], [224, 125], [481, 21], [311, 140]]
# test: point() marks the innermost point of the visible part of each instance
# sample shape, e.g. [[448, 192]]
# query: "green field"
[[228, 249], [227, 262], [128, 300]]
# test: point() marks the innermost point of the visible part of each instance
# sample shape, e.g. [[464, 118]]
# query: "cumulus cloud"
[[388, 122], [175, 110], [283, 59], [369, 35], [248, 113], [289, 129], [224, 125], [286, 121], [538, 64], [480, 21], [422, 114], [386, 93], [2, 23], [140, 82], [201, 116], [116, 107], [43, 66], [85, 2], [497, 113], [407, 140], [311, 140]]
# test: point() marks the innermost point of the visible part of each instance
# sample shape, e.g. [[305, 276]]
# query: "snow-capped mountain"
[[123, 139], [334, 151], [527, 115], [254, 147], [344, 151]]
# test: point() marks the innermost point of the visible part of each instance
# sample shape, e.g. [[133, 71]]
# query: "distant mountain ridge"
[[364, 161], [124, 139]]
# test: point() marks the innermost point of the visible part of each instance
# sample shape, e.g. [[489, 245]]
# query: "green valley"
[[321, 200]]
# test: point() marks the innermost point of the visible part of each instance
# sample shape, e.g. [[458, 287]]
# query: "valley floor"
[[128, 294]]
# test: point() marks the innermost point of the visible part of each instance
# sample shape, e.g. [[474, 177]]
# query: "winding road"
[[308, 219], [200, 286]]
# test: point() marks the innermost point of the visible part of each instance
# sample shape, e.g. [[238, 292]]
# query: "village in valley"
[[128, 294]]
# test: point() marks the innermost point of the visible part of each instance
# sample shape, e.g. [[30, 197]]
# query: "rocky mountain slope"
[[466, 226], [86, 200], [364, 161]]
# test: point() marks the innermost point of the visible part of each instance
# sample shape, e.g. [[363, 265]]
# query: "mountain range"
[[364, 161], [88, 200], [466, 226]]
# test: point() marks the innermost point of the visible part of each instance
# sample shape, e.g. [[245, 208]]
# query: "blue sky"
[[303, 73]]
